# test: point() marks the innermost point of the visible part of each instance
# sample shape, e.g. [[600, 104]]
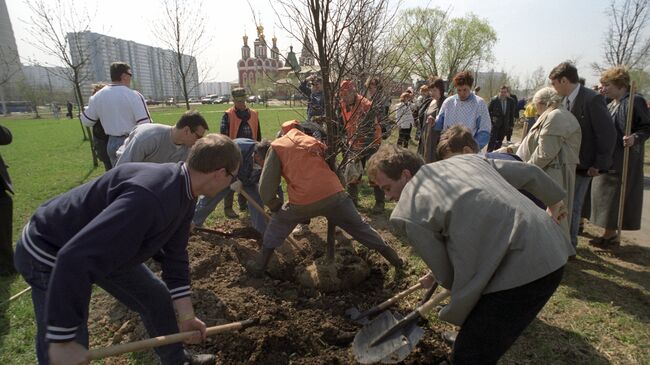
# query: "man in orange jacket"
[[239, 121], [314, 190], [363, 131]]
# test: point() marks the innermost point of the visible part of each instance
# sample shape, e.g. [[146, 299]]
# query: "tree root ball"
[[347, 271]]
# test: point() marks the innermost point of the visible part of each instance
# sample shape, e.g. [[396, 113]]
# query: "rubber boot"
[[227, 206]]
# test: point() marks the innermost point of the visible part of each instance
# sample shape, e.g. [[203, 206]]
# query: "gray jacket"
[[476, 232]]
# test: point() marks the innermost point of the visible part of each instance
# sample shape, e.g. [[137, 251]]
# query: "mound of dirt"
[[302, 325]]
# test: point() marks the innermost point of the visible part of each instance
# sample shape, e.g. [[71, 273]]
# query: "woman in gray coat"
[[605, 189], [553, 144]]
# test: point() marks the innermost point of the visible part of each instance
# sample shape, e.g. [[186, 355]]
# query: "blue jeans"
[[136, 287], [111, 147], [582, 185], [206, 205]]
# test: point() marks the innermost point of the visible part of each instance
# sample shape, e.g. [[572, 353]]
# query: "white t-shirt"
[[118, 108]]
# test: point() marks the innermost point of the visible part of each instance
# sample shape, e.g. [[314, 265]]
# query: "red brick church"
[[261, 67]]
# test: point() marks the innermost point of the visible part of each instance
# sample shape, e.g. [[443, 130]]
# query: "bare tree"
[[627, 40], [183, 31], [535, 80], [350, 42], [57, 30]]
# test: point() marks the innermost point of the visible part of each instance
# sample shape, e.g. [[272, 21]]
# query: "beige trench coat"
[[553, 144]]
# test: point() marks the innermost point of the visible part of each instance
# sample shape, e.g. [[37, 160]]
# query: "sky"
[[531, 33]]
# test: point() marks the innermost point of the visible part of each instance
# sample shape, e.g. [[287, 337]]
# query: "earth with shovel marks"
[[301, 303]]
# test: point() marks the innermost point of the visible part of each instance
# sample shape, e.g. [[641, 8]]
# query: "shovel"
[[123, 348], [362, 317], [390, 338], [237, 187]]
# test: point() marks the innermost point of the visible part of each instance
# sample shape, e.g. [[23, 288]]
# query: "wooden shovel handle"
[[123, 348], [398, 296], [261, 210], [254, 203], [431, 303]]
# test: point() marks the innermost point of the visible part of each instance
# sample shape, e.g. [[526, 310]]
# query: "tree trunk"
[[80, 105]]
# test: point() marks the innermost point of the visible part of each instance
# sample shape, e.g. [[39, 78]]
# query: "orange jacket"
[[354, 117], [235, 122], [309, 178]]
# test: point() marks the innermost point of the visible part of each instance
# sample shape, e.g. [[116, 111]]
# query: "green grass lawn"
[[600, 314]]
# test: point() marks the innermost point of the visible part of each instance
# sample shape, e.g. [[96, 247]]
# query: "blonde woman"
[[553, 144], [606, 188]]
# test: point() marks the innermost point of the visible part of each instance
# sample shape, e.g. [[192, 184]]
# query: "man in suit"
[[598, 133], [502, 112], [447, 211], [6, 212]]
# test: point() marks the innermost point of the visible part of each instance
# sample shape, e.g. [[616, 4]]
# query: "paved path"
[[642, 237]]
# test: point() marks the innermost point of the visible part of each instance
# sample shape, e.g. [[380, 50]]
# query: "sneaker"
[[229, 213], [201, 359], [300, 230]]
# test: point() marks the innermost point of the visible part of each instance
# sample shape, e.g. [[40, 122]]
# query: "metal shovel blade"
[[391, 350], [354, 315]]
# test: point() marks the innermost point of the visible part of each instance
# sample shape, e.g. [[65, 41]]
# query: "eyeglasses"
[[233, 177], [128, 73], [198, 136]]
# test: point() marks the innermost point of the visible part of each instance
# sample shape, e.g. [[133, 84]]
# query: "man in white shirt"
[[118, 107], [162, 143]]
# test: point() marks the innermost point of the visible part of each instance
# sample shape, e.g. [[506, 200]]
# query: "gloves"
[[237, 186]]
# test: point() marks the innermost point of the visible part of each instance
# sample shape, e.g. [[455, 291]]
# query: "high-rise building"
[[154, 69], [215, 88], [10, 68], [47, 77]]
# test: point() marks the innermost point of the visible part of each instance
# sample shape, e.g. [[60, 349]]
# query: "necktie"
[[568, 104]]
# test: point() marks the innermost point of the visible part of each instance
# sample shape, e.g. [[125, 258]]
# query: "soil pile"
[[302, 325]]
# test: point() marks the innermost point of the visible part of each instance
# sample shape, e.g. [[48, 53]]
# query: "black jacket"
[[598, 132], [5, 181], [501, 118]]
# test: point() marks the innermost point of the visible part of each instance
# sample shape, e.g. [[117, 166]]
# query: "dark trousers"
[[102, 155], [404, 137], [137, 287], [6, 217], [499, 318], [496, 137]]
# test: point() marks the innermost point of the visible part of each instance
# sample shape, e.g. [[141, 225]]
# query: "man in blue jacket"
[[102, 232]]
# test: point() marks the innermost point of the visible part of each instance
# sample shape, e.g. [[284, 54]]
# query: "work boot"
[[449, 337], [243, 203], [227, 206], [201, 359], [230, 213]]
